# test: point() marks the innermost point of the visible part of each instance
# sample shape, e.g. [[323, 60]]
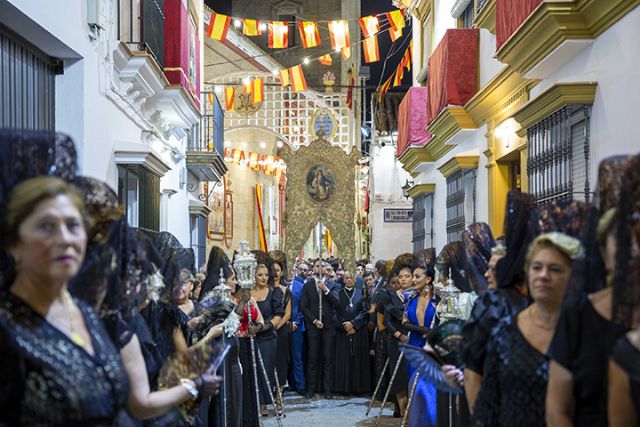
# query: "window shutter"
[[579, 171]]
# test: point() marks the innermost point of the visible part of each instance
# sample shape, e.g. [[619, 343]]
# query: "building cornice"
[[414, 156], [420, 189], [552, 99], [449, 122], [458, 163], [555, 22], [487, 17]]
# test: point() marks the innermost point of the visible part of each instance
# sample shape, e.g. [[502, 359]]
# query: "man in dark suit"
[[317, 306]]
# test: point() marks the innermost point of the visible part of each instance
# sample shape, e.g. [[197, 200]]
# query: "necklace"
[[73, 334], [350, 297], [537, 325]]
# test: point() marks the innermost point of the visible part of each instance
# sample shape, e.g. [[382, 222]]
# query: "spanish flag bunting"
[[371, 51], [326, 59], [346, 53], [352, 83], [384, 88], [247, 87], [406, 58], [396, 19], [218, 26], [329, 242], [263, 236], [278, 34], [395, 35], [253, 161], [397, 78], [251, 27], [309, 34], [284, 77], [298, 81], [339, 34], [229, 96], [210, 98], [238, 155], [257, 90], [369, 25]]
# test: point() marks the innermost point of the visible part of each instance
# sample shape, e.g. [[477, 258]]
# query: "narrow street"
[[342, 411]]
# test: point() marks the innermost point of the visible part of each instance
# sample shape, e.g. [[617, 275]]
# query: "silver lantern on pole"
[[449, 306], [245, 265]]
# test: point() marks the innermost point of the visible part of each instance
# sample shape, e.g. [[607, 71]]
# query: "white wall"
[[613, 62], [489, 66], [443, 19], [389, 239]]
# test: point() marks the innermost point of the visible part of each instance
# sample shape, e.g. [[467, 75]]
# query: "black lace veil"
[[477, 240], [451, 260]]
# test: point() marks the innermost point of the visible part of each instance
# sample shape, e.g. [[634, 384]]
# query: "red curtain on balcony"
[[510, 14], [412, 120], [181, 48], [453, 70]]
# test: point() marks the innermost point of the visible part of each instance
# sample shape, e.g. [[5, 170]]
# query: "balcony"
[[412, 128], [538, 37], [205, 153], [452, 82], [141, 26]]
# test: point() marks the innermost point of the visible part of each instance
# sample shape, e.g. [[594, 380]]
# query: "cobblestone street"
[[340, 411]]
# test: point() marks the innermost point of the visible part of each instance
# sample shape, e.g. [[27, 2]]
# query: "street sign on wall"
[[398, 215]]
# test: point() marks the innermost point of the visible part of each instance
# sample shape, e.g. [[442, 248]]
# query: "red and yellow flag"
[[406, 58], [284, 77], [346, 53], [210, 98], [253, 161], [309, 34], [251, 27], [384, 88], [329, 242], [396, 19], [370, 48], [278, 34], [395, 35], [257, 90], [352, 83], [218, 26], [369, 25], [339, 34], [326, 59], [261, 232], [298, 82], [229, 96], [397, 78]]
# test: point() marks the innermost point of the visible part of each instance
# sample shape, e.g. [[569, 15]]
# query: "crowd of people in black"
[[105, 324]]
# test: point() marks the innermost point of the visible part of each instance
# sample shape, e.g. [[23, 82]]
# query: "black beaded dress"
[[393, 312], [47, 380], [626, 355], [574, 348], [514, 384], [284, 334]]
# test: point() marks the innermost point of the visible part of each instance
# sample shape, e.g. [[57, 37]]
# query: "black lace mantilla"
[[47, 380]]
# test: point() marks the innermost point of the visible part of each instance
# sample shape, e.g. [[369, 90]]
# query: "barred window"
[[422, 222], [461, 202], [559, 150], [139, 193]]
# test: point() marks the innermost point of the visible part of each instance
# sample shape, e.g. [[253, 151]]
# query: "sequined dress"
[[47, 380], [514, 383]]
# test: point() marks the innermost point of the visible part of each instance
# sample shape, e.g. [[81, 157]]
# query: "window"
[[198, 233], [423, 222], [27, 84], [466, 19], [461, 202], [559, 150], [139, 193]]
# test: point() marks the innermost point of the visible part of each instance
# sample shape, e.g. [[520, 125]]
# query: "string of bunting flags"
[[398, 74], [278, 38], [268, 164]]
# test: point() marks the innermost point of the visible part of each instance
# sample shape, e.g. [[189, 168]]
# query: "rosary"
[[350, 297]]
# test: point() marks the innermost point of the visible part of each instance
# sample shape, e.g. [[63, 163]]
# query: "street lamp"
[[405, 188]]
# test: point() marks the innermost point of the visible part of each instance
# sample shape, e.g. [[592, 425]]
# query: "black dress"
[[488, 309], [267, 343], [230, 390], [574, 347], [626, 355], [514, 384], [47, 380], [393, 312], [380, 342], [351, 371], [283, 356]]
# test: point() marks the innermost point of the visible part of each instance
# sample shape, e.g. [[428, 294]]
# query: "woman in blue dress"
[[419, 318]]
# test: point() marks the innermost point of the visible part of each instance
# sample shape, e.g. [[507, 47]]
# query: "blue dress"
[[423, 409]]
